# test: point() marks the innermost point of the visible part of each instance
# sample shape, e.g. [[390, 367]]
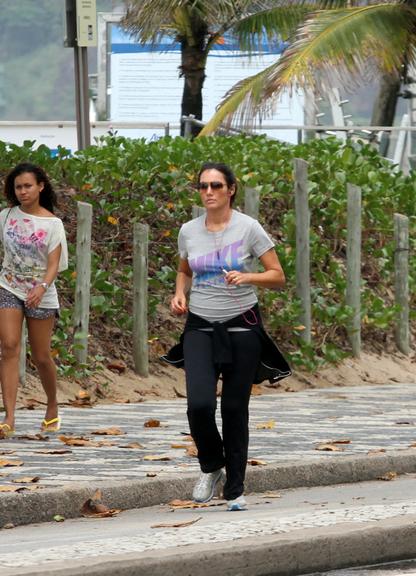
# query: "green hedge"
[[126, 179]]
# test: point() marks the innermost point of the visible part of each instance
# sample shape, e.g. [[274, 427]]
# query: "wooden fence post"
[[83, 281], [188, 125], [401, 281], [22, 359], [303, 290], [140, 288], [353, 297], [197, 211], [251, 208], [251, 202]]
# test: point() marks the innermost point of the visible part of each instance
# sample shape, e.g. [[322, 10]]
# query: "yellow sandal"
[[52, 425], [6, 431]]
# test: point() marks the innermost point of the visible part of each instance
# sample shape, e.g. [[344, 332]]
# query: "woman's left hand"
[[35, 296], [236, 278]]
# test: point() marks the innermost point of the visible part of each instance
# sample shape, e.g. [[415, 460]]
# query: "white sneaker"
[[237, 504], [205, 487]]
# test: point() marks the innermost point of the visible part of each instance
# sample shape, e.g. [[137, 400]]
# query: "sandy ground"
[[165, 382]]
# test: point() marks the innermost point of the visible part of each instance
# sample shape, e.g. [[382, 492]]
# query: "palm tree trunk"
[[385, 105], [193, 71], [384, 108]]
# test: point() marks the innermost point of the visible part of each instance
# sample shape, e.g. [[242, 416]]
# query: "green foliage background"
[[131, 179]]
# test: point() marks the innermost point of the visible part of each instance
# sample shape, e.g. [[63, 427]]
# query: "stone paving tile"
[[376, 417]]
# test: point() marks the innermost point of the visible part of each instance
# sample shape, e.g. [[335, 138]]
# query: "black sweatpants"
[[201, 381]]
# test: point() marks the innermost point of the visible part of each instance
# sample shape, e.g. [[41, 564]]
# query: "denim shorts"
[[9, 300]]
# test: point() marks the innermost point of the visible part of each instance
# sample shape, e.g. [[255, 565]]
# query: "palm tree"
[[200, 24], [336, 46]]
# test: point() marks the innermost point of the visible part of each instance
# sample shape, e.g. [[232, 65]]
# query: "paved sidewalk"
[[280, 534], [379, 423]]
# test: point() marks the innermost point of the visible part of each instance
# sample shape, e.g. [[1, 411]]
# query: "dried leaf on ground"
[[256, 390], [181, 504], [328, 447], [255, 462], [6, 452], [105, 443], [192, 451], [162, 457], [132, 445], [26, 479], [388, 476], [76, 441], [32, 403], [81, 441], [59, 518], [36, 437], [8, 488], [78, 403], [94, 508], [8, 526], [113, 431], [152, 423], [6, 463], [271, 495], [151, 474], [177, 524], [266, 425], [54, 451], [340, 441], [376, 451], [117, 366], [405, 423]]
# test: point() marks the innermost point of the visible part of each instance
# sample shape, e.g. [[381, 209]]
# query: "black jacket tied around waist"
[[272, 366]]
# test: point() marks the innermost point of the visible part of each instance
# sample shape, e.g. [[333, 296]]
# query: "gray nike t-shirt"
[[208, 253]]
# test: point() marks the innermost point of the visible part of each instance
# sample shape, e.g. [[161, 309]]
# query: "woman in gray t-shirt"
[[215, 269]]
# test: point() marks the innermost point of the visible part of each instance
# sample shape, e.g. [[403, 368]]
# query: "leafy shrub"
[[127, 179]]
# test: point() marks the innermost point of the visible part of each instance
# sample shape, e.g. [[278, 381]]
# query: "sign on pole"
[[86, 23], [80, 33]]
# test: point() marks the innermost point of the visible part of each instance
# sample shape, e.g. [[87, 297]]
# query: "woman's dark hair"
[[227, 173], [47, 198]]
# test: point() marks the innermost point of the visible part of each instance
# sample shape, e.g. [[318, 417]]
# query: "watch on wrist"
[[44, 285]]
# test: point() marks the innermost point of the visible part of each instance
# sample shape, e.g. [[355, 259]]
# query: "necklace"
[[218, 244]]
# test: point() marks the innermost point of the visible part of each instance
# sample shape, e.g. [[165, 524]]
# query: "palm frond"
[[236, 108], [145, 18], [336, 46], [272, 25]]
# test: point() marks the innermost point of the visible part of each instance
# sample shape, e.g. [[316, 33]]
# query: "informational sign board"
[[145, 85], [86, 23]]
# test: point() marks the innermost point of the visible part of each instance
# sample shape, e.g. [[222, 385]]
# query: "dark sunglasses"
[[214, 185]]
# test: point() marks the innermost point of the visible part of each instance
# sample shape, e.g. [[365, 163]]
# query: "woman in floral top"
[[35, 250]]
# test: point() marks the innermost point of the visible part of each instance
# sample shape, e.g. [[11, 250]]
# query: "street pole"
[[82, 101], [81, 32]]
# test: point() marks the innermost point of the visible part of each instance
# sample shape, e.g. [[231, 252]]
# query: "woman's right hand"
[[178, 304]]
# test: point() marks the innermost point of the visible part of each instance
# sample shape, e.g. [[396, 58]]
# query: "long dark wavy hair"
[[47, 198], [226, 171]]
